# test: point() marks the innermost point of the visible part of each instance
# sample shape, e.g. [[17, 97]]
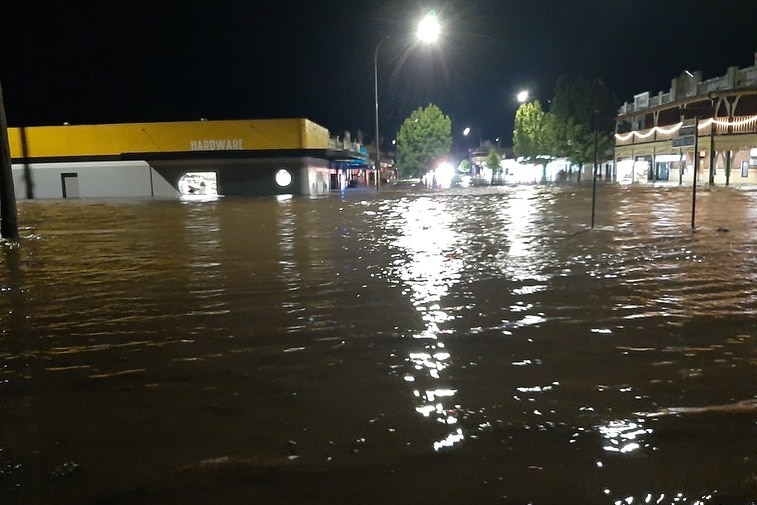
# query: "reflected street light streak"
[[430, 269], [624, 436]]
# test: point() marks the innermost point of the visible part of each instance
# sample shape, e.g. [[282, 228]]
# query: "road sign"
[[687, 140], [687, 130]]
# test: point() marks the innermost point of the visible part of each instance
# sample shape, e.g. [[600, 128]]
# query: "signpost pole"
[[712, 154], [594, 174], [696, 173], [694, 112], [8, 211]]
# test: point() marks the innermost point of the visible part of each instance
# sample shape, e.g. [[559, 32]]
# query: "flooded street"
[[474, 346]]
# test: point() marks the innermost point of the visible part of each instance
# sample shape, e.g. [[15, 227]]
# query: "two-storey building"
[[658, 137]]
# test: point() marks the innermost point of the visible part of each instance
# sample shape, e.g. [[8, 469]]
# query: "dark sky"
[[124, 61]]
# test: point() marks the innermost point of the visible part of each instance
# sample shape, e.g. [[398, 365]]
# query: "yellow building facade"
[[168, 159]]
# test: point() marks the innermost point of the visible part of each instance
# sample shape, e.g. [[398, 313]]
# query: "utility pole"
[[8, 212]]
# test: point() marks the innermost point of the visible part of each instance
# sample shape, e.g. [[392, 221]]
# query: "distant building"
[[351, 172], [478, 158], [656, 134], [172, 159]]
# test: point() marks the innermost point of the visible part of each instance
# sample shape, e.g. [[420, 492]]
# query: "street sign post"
[[695, 112], [696, 174]]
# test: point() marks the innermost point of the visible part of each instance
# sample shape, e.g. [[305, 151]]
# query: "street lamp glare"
[[466, 131], [523, 96], [429, 28]]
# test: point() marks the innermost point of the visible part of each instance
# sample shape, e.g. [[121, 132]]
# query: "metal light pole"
[[376, 101], [429, 30]]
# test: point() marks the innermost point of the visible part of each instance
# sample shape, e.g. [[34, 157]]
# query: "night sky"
[[108, 62]]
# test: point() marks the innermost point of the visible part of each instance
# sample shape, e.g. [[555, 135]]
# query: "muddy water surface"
[[459, 346]]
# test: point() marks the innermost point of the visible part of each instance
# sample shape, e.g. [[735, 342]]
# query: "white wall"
[[96, 179]]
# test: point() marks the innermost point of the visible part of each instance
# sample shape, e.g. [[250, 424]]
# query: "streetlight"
[[428, 32], [429, 28], [467, 131], [522, 96]]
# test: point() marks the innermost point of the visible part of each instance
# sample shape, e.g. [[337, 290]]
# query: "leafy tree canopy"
[[530, 135], [424, 138], [578, 100], [580, 108], [492, 161]]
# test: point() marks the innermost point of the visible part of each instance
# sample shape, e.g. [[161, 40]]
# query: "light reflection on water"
[[624, 436], [429, 268], [368, 336]]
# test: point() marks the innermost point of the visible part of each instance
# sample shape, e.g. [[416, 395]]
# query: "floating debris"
[[738, 407]]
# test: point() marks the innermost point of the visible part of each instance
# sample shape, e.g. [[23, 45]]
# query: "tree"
[[580, 108], [423, 139], [533, 135], [492, 162], [464, 166]]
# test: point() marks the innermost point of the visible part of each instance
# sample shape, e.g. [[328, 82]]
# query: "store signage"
[[215, 145]]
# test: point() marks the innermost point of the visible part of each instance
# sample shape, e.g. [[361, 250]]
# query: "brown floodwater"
[[403, 347]]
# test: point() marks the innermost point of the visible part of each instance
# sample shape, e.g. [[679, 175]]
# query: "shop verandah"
[[727, 151]]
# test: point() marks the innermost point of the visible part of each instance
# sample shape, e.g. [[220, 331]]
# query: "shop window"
[[198, 184]]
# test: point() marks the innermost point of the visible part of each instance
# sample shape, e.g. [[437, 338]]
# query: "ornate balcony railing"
[[722, 126]]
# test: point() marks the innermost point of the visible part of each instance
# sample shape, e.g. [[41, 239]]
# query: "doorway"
[[663, 171], [69, 185]]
